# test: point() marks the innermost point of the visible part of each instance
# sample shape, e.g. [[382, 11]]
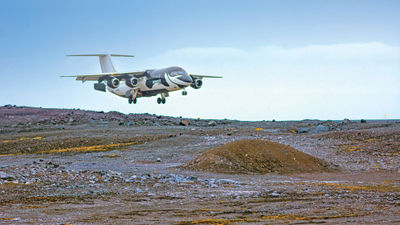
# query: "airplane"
[[133, 85]]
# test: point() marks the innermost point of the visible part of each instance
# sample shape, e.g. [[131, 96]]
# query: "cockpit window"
[[177, 73]]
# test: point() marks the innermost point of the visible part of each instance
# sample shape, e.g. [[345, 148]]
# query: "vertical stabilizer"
[[105, 61], [106, 64]]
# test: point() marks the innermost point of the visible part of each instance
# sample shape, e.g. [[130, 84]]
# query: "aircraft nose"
[[186, 78]]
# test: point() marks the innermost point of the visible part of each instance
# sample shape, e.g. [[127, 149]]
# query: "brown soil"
[[256, 156]]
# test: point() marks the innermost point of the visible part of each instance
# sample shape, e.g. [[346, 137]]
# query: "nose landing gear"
[[184, 92]]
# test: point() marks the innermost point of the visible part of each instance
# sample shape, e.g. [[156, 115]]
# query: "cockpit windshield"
[[177, 73]]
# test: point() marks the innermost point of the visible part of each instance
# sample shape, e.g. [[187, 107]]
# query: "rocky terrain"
[[69, 166]]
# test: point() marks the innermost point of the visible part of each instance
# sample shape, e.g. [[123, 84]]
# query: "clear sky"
[[283, 59]]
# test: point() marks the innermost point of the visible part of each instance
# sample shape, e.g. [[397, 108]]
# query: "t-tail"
[[105, 61]]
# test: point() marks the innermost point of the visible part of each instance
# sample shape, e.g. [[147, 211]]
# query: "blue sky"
[[284, 60]]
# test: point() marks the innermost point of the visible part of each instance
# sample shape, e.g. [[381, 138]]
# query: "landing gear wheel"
[[159, 100], [134, 101], [130, 100], [163, 101], [184, 92]]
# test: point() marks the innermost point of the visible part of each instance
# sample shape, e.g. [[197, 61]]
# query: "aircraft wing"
[[203, 76], [95, 77]]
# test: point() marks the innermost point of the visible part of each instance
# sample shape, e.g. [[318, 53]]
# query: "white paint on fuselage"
[[173, 82]]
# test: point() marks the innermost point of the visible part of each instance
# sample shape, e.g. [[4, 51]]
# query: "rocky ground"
[[61, 166]]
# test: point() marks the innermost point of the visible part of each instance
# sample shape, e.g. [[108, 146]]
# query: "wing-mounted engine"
[[197, 83], [131, 82], [112, 82]]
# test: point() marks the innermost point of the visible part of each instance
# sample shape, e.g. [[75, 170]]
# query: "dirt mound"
[[256, 156]]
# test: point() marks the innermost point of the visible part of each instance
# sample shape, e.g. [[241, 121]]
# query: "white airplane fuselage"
[[158, 81]]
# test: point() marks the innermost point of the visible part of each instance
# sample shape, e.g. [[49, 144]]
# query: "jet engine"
[[113, 82], [131, 82], [197, 83]]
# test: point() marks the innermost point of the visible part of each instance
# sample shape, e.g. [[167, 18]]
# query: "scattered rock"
[[212, 123], [303, 130], [184, 122], [7, 177], [346, 121], [320, 128]]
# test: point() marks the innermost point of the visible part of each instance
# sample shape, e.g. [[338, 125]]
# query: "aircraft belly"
[[120, 90], [123, 89]]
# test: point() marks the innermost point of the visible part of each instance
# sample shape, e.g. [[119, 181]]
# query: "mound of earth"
[[256, 156]]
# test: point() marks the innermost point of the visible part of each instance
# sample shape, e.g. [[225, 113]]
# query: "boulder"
[[303, 130], [184, 122], [320, 128], [212, 123], [346, 121], [7, 177]]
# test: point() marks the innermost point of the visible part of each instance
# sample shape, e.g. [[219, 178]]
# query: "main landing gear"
[[132, 100], [162, 98], [184, 92], [132, 96]]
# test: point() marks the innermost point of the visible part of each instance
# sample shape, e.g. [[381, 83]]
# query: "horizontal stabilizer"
[[118, 55], [105, 61]]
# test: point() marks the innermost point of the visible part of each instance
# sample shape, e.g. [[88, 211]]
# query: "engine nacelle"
[[197, 83], [113, 82], [131, 82]]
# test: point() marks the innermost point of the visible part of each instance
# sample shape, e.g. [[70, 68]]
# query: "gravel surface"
[[61, 166]]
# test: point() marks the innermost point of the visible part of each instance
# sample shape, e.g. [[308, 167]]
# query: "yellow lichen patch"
[[88, 148], [8, 184], [371, 139], [112, 155], [33, 207], [7, 218], [354, 148], [21, 139], [380, 188], [9, 154], [208, 209], [258, 129]]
